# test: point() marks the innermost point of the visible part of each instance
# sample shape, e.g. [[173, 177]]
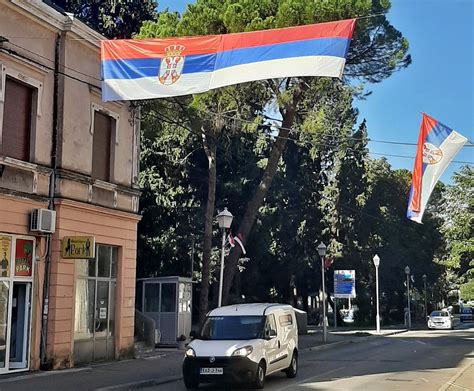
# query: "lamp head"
[[407, 270], [424, 277], [376, 260], [224, 219], [322, 249]]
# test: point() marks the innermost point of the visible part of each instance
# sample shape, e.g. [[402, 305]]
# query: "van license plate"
[[211, 371]]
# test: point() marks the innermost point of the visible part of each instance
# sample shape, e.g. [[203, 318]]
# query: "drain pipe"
[[52, 191]]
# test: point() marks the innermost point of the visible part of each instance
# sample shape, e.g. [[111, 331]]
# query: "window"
[[101, 146], [285, 320], [17, 115], [270, 325]]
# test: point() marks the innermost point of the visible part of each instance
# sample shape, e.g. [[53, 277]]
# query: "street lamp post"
[[322, 253], [407, 272], [424, 286], [224, 219], [376, 260]]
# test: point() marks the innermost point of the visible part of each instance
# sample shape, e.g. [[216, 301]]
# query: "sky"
[[439, 82]]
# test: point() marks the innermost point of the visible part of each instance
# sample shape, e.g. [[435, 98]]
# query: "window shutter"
[[16, 120], [101, 147]]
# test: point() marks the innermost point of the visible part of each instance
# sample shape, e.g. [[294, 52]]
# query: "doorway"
[[94, 318], [20, 322]]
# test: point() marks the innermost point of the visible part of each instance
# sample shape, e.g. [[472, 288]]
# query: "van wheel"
[[260, 376], [292, 370], [191, 384]]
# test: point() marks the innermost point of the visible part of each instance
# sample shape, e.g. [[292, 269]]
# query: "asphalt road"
[[417, 360]]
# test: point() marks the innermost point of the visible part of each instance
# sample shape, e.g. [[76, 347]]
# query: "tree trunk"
[[210, 149], [257, 201]]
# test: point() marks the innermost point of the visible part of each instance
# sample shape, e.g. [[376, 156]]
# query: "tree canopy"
[[303, 104]]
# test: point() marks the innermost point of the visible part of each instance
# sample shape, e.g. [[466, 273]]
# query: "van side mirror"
[[272, 334]]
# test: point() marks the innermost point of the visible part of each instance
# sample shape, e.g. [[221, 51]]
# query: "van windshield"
[[232, 327]]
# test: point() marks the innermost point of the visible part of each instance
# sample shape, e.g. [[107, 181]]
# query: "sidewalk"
[[151, 369], [340, 336]]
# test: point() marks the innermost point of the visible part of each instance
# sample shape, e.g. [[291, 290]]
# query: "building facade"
[[74, 161]]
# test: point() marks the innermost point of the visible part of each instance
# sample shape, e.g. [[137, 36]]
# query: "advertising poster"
[[24, 258], [5, 254], [344, 284]]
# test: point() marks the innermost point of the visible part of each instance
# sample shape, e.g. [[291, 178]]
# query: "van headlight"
[[243, 352], [190, 352]]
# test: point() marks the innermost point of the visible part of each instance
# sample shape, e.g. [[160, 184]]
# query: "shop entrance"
[[94, 319], [15, 302], [20, 322]]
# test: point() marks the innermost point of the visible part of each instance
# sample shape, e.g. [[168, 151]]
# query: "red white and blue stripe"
[[437, 146], [155, 68]]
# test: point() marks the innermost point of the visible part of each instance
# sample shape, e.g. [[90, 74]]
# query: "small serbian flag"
[[237, 239], [157, 68], [437, 146]]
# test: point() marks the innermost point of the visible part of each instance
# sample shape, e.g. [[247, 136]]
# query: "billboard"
[[344, 284]]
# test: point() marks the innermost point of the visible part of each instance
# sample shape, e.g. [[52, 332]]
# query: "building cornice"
[[59, 21], [96, 209]]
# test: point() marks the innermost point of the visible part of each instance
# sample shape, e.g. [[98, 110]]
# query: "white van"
[[243, 343]]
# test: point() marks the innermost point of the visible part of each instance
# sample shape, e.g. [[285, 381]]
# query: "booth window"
[[168, 297], [17, 114]]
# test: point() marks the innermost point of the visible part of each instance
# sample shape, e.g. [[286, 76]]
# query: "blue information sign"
[[344, 284]]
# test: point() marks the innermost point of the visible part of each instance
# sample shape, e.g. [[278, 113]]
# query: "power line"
[[280, 177], [241, 119], [52, 61], [292, 130]]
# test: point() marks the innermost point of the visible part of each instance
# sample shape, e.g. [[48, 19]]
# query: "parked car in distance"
[[243, 343], [441, 320]]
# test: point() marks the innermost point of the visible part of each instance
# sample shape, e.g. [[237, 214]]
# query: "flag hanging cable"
[[437, 146], [157, 68]]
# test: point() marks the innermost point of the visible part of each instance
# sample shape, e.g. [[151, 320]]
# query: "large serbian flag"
[[156, 68], [437, 146]]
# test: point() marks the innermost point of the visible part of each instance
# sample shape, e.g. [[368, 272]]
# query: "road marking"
[[291, 386], [141, 384], [452, 381], [154, 357], [462, 388], [421, 342]]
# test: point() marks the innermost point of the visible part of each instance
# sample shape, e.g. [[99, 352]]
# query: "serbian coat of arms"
[[171, 65], [431, 154]]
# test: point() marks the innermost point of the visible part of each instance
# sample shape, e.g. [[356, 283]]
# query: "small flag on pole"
[[236, 239], [231, 240], [437, 146]]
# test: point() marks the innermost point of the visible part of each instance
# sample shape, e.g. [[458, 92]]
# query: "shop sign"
[[5, 254], [78, 247], [23, 258]]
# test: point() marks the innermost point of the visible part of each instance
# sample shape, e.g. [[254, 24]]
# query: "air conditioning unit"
[[43, 220]]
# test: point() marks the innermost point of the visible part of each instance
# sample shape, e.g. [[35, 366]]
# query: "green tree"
[[112, 18], [377, 51], [458, 229]]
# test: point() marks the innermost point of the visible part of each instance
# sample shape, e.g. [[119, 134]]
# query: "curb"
[[349, 341]]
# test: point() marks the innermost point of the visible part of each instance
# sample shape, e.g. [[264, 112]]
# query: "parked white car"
[[441, 320], [243, 343]]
